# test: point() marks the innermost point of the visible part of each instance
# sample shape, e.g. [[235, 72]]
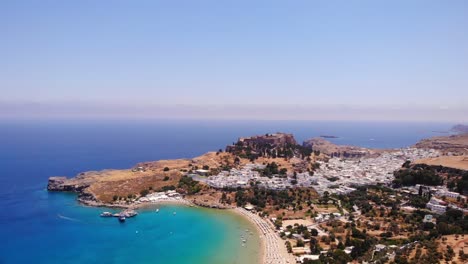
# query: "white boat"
[[157, 210], [106, 214]]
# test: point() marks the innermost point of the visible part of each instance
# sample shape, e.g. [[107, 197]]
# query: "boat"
[[157, 210], [106, 214], [175, 213], [129, 213], [122, 218]]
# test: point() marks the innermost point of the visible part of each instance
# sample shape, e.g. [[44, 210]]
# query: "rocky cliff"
[[333, 150], [277, 140]]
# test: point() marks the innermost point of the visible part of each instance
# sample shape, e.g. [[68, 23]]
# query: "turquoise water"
[[41, 227], [71, 233]]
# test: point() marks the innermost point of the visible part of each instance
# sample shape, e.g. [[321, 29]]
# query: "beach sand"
[[273, 247]]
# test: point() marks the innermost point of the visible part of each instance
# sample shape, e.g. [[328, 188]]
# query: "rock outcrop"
[[333, 150], [63, 184], [277, 140], [79, 185]]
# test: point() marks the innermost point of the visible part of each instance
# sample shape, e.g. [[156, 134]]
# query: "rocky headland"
[[450, 145], [460, 128], [333, 150]]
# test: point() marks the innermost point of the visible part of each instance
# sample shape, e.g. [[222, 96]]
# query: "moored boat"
[[106, 214]]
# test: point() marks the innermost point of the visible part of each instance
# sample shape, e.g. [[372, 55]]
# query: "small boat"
[[157, 210], [122, 218], [129, 213], [106, 214], [174, 213]]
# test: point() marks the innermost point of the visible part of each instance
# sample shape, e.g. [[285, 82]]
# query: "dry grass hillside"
[[151, 176], [457, 162]]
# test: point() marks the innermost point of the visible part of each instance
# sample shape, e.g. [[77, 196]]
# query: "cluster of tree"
[[119, 198], [167, 188], [459, 183], [273, 169], [144, 192], [279, 199], [361, 242], [189, 185], [301, 230], [260, 197], [430, 256], [360, 198], [418, 201], [417, 175], [457, 180], [288, 246], [452, 222]]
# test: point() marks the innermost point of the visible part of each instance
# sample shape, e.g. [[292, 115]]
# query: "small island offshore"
[[314, 202]]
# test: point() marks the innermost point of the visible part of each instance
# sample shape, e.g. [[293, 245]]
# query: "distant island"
[[310, 201], [328, 136]]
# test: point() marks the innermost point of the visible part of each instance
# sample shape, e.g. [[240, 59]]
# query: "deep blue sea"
[[41, 227]]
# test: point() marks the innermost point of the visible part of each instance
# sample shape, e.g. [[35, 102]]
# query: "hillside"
[[455, 144]]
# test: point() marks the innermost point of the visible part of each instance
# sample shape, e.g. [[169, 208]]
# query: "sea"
[[37, 226]]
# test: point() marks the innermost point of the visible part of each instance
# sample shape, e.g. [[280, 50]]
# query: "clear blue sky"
[[90, 57]]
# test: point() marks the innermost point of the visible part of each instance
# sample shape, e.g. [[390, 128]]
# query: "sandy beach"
[[273, 248]]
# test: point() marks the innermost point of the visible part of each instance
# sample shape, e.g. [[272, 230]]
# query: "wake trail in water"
[[68, 218]]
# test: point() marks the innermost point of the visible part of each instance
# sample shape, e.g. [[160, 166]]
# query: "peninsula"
[[312, 201]]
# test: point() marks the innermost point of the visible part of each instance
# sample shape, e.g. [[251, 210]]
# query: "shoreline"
[[138, 205], [273, 250], [267, 236]]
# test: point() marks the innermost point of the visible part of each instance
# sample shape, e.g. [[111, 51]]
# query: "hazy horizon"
[[266, 60]]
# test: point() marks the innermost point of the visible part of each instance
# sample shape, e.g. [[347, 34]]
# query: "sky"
[[326, 60]]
